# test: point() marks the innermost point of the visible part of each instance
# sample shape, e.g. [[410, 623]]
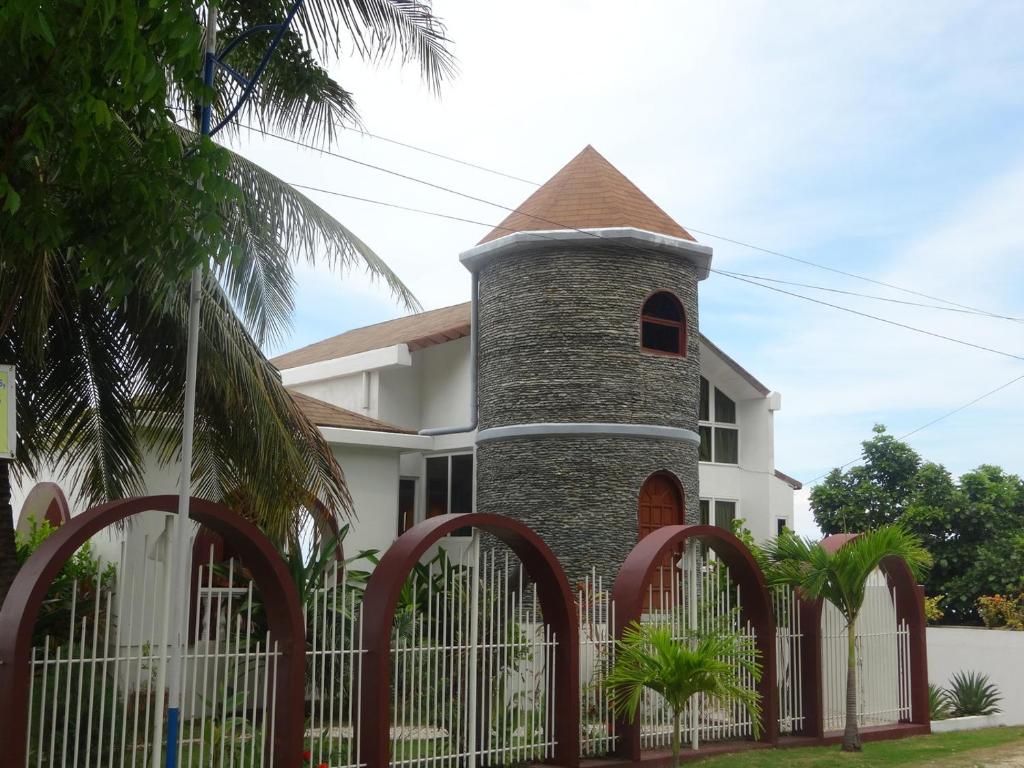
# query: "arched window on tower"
[[663, 325]]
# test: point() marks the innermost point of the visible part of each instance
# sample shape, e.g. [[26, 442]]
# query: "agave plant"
[[971, 693], [938, 702]]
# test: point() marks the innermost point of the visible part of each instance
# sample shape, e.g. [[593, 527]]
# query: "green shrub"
[[971, 693], [1002, 611]]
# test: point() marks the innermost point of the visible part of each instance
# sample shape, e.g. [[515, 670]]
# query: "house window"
[[663, 325], [450, 485], [780, 526], [406, 504], [720, 512], [719, 436]]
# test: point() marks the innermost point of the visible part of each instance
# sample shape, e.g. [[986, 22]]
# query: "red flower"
[[307, 755], [323, 765]]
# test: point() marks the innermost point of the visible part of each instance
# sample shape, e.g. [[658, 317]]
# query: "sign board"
[[8, 432]]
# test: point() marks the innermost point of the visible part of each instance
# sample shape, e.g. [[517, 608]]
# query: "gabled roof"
[[792, 482], [588, 193], [323, 414], [417, 331]]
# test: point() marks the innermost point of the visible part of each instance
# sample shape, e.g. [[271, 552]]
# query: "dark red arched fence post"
[[909, 608], [284, 614], [630, 589], [381, 599]]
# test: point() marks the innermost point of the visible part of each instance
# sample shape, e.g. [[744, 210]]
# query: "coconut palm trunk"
[[851, 735], [676, 728]]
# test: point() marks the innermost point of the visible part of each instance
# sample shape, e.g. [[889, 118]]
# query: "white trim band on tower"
[[597, 429], [627, 237]]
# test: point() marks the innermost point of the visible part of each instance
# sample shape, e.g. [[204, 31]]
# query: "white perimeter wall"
[[997, 653]]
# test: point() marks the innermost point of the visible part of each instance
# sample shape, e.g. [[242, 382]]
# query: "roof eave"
[[628, 237]]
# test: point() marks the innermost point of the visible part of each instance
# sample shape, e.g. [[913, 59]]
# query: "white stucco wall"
[[444, 383], [372, 477], [343, 391], [997, 653]]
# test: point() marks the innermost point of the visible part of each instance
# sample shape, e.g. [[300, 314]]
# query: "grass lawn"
[[950, 749]]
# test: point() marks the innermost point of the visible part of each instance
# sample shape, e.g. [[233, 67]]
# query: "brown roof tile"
[[588, 193], [323, 414], [418, 331]]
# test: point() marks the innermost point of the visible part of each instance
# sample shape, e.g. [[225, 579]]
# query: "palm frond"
[[383, 29], [714, 663], [254, 446]]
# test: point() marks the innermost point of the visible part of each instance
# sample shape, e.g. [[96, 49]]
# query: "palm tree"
[[841, 578], [97, 323], [711, 663]]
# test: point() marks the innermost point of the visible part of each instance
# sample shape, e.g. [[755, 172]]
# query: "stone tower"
[[588, 367]]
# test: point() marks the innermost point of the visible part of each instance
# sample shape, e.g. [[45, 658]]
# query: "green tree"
[[713, 663], [841, 577], [107, 202], [868, 495]]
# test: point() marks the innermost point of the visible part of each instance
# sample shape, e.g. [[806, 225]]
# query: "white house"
[[371, 391]]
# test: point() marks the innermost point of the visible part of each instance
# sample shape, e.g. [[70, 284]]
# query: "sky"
[[884, 139]]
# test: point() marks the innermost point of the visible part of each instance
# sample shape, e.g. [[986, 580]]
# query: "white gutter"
[[370, 438]]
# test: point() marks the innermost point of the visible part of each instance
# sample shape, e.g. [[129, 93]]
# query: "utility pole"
[[179, 555]]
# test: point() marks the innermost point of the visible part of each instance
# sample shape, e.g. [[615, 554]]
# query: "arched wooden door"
[[661, 503]]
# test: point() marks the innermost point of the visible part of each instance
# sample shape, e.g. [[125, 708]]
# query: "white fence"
[[993, 652], [473, 665], [883, 661]]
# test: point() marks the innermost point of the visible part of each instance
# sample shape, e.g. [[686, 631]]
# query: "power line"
[[705, 233], [440, 155], [874, 317], [944, 416], [865, 295], [734, 276]]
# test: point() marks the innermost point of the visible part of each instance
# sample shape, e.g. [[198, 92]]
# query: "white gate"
[[883, 661]]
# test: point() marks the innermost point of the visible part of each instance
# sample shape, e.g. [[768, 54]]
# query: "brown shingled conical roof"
[[588, 193]]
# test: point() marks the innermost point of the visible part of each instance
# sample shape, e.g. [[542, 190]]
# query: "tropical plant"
[[1002, 611], [971, 693], [107, 203], [73, 593], [933, 612], [714, 664], [938, 702], [841, 578]]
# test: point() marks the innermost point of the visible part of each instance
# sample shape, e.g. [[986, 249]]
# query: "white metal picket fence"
[[789, 641], [883, 661], [473, 664], [595, 611], [98, 671]]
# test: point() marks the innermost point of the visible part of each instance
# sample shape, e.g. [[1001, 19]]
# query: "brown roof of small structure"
[[417, 331], [323, 414], [588, 193], [792, 482]]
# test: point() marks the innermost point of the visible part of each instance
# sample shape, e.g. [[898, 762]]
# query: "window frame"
[[712, 500], [679, 325], [713, 425], [423, 496], [416, 517]]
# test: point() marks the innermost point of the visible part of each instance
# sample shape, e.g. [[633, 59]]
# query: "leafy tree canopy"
[[973, 527]]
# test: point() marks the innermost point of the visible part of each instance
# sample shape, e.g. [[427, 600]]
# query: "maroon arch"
[[909, 608], [46, 501], [631, 586], [381, 598], [21, 608]]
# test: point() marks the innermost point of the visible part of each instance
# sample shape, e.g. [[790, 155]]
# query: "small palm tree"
[[713, 663], [841, 578]]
